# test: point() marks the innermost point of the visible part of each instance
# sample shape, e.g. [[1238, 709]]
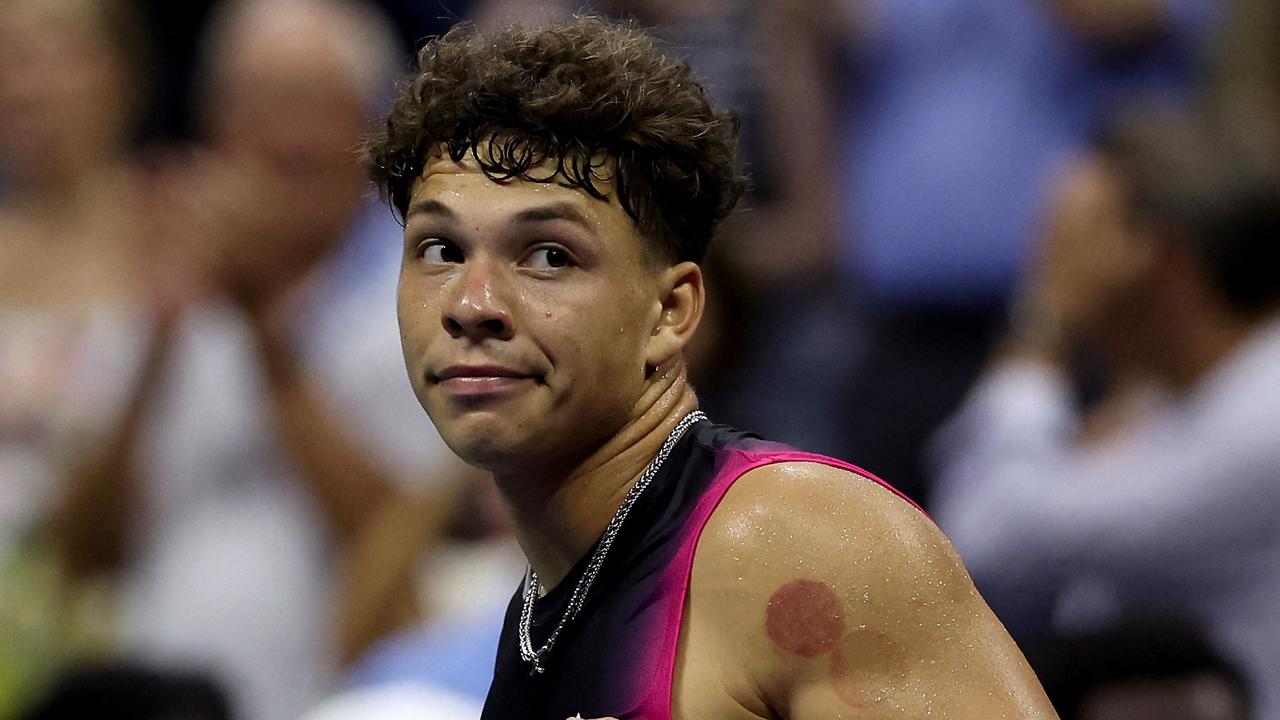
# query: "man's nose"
[[475, 310]]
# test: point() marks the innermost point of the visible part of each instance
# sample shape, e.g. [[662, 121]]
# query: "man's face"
[[526, 310]]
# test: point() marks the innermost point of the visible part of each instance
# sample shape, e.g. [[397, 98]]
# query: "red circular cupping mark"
[[804, 617]]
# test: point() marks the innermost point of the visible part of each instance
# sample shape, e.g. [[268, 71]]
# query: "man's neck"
[[557, 523]]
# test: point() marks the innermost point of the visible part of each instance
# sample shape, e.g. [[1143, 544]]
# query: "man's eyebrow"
[[430, 207], [555, 211]]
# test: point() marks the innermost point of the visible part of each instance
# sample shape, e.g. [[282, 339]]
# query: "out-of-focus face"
[[63, 88], [286, 119], [526, 313], [1099, 261]]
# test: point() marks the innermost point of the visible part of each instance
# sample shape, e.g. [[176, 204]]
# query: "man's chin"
[[483, 443]]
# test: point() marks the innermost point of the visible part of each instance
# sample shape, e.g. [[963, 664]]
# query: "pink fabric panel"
[[673, 587]]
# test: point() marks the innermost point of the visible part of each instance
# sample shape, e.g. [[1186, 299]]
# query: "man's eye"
[[550, 258], [440, 251]]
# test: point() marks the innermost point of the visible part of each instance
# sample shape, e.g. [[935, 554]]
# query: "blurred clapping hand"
[[1089, 257], [211, 234]]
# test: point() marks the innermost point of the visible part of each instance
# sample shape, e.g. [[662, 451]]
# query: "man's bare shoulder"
[[797, 520], [833, 593]]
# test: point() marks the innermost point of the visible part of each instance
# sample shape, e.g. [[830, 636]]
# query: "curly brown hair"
[[597, 101]]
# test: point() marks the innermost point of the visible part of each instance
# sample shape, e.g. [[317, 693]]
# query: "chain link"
[[579, 596]]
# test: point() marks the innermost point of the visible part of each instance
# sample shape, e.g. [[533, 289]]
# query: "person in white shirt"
[[281, 423], [1162, 252]]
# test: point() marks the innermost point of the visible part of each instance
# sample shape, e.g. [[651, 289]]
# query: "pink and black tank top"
[[617, 658]]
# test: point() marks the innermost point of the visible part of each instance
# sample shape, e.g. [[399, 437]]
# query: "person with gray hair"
[[280, 422]]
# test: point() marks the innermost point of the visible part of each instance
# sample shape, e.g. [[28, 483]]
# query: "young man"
[[559, 188]]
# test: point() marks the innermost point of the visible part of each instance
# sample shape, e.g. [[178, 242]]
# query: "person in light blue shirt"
[[959, 111], [458, 658], [952, 117]]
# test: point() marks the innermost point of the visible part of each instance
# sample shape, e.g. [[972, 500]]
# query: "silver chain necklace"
[[579, 596]]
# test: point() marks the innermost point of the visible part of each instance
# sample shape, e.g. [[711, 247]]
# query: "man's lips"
[[480, 379], [479, 371]]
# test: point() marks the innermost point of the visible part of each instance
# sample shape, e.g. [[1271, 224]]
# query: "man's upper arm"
[[855, 604]]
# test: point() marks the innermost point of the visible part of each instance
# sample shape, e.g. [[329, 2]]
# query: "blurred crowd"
[[1021, 258]]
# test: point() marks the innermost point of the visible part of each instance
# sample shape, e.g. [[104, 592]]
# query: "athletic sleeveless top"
[[617, 658]]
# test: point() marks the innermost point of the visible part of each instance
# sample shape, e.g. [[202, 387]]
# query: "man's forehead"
[[449, 176], [441, 173]]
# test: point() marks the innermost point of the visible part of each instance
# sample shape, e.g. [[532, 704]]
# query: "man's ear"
[[682, 298]]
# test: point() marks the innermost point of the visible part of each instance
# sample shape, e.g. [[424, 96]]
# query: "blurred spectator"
[[280, 422], [1161, 253], [948, 119], [74, 304], [959, 112], [1146, 670]]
